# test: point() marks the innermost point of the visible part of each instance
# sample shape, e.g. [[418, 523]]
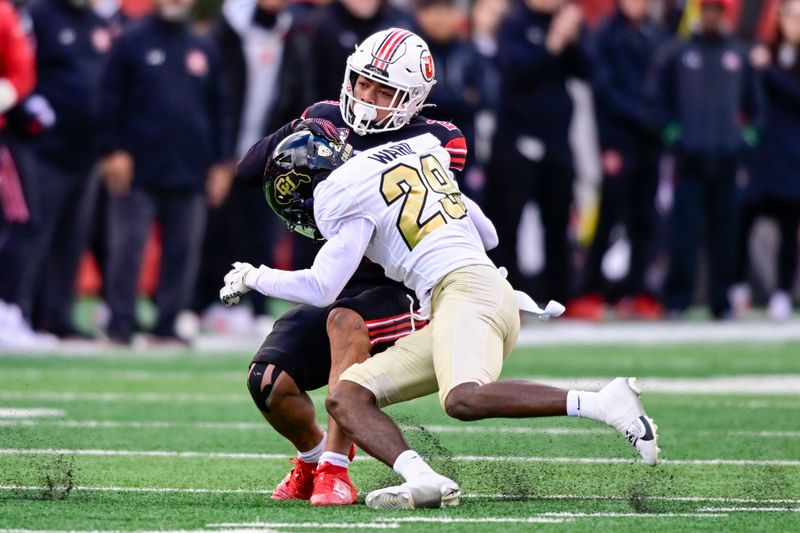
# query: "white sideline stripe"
[[752, 509], [772, 384], [137, 531], [557, 497], [258, 526], [127, 374], [252, 426], [463, 458], [448, 520], [735, 385], [20, 412], [148, 397], [564, 332], [175, 490]]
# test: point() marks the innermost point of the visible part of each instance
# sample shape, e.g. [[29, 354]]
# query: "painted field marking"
[[27, 412], [568, 515], [752, 509], [260, 426], [307, 525], [788, 384], [23, 419], [462, 458], [551, 497], [147, 397]]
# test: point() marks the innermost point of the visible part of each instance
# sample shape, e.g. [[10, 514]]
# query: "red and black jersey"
[[448, 134], [250, 170]]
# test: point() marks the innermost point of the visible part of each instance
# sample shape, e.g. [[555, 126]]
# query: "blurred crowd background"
[[638, 157]]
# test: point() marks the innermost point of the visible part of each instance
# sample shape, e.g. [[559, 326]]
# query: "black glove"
[[320, 127]]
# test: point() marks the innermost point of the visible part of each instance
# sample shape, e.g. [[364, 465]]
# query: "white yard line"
[[751, 509], [734, 385], [261, 426], [146, 397], [461, 458], [308, 525], [21, 418], [476, 496], [785, 384], [27, 412]]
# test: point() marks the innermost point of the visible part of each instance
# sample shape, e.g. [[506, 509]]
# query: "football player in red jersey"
[[386, 82]]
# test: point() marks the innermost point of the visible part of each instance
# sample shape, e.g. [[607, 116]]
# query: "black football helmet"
[[297, 165]]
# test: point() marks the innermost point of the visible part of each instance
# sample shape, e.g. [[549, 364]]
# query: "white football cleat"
[[430, 491], [623, 411]]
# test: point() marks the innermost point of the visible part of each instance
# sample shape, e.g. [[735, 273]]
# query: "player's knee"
[[344, 321], [344, 397], [264, 386], [463, 403]]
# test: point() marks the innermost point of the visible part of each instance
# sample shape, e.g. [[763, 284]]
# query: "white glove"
[[235, 284]]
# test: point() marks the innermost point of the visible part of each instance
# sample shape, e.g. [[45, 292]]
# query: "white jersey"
[[422, 228]]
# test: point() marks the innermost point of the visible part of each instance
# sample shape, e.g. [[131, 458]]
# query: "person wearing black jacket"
[[337, 29], [458, 93], [773, 190], [71, 42], [163, 132], [712, 106], [539, 48], [261, 60], [624, 48]]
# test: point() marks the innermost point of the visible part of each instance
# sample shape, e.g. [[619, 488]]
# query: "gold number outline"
[[411, 228], [415, 195]]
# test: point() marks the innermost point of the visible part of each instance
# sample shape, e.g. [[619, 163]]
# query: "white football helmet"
[[394, 57]]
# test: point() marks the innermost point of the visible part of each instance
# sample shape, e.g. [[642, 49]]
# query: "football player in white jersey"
[[398, 205]]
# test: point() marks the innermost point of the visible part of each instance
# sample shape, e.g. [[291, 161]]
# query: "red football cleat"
[[590, 307], [640, 307], [332, 486], [298, 484]]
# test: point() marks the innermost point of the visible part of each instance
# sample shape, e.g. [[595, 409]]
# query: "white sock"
[[313, 455], [335, 459], [410, 465], [584, 404]]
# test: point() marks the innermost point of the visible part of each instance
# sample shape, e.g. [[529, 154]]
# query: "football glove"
[[235, 284], [320, 127]]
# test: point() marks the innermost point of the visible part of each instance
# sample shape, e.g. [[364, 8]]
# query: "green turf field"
[[149, 441]]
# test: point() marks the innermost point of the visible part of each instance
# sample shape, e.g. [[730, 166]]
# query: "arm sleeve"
[[485, 228], [110, 110], [250, 168], [333, 267], [611, 95], [782, 86], [219, 110]]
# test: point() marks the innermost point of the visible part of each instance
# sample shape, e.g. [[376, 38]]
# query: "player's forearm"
[[321, 284], [301, 286]]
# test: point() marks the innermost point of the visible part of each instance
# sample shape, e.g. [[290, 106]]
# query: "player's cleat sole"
[[625, 413], [441, 493]]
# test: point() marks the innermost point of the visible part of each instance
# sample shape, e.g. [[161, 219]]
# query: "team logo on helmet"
[[286, 184], [426, 66]]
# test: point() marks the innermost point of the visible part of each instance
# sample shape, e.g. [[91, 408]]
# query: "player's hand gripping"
[[237, 283], [320, 127]]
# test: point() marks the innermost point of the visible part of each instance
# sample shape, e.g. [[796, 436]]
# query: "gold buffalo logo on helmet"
[[285, 185]]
